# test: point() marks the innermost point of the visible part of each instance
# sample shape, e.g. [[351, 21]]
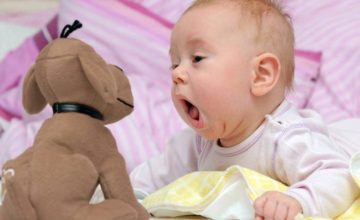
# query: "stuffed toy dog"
[[73, 151]]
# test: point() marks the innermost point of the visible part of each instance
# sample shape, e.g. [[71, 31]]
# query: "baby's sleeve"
[[179, 158], [317, 173]]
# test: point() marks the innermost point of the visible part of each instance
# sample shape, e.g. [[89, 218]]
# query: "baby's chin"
[[207, 133]]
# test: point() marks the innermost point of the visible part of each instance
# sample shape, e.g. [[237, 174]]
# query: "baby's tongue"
[[194, 113]]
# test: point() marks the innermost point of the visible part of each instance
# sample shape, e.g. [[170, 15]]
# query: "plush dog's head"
[[70, 71]]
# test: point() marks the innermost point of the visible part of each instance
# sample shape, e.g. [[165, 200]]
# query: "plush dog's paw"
[[15, 190], [5, 176]]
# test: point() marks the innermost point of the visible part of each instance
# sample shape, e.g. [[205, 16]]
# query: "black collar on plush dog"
[[75, 107]]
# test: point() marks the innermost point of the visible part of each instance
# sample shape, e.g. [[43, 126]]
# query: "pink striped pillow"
[[307, 71], [332, 27]]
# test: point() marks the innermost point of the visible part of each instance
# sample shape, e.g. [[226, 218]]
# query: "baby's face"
[[211, 60]]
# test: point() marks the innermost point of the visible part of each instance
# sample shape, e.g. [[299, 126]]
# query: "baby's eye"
[[174, 66], [197, 59]]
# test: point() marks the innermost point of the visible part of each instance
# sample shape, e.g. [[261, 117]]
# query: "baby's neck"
[[261, 108], [247, 128]]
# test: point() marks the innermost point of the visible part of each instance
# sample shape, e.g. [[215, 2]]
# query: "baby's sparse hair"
[[274, 30]]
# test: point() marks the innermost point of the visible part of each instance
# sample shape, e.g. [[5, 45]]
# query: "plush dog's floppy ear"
[[32, 98], [99, 77]]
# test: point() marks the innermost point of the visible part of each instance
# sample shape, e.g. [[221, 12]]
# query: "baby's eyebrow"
[[198, 42], [195, 41]]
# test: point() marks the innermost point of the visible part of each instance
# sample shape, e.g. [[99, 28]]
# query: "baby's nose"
[[179, 76]]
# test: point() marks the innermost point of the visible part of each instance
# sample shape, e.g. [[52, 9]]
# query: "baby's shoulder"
[[295, 117], [295, 122]]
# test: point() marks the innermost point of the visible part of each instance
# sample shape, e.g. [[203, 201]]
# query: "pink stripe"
[[128, 15], [147, 12], [51, 27], [40, 40], [5, 115], [315, 56]]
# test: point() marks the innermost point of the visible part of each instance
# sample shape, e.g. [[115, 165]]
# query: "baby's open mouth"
[[194, 116], [192, 111]]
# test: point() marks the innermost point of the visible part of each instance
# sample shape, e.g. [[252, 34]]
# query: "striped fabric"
[[332, 28], [307, 73]]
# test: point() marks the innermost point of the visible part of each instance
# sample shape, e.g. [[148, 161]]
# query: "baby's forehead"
[[258, 23], [209, 17], [194, 41], [224, 13]]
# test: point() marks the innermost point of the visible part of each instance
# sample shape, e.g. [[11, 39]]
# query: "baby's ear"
[[32, 98], [266, 73]]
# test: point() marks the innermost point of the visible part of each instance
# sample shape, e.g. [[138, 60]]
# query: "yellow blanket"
[[213, 194]]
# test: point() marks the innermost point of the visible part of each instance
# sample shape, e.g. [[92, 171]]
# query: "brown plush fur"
[[73, 152]]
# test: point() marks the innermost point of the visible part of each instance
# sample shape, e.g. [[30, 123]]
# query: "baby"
[[232, 63]]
